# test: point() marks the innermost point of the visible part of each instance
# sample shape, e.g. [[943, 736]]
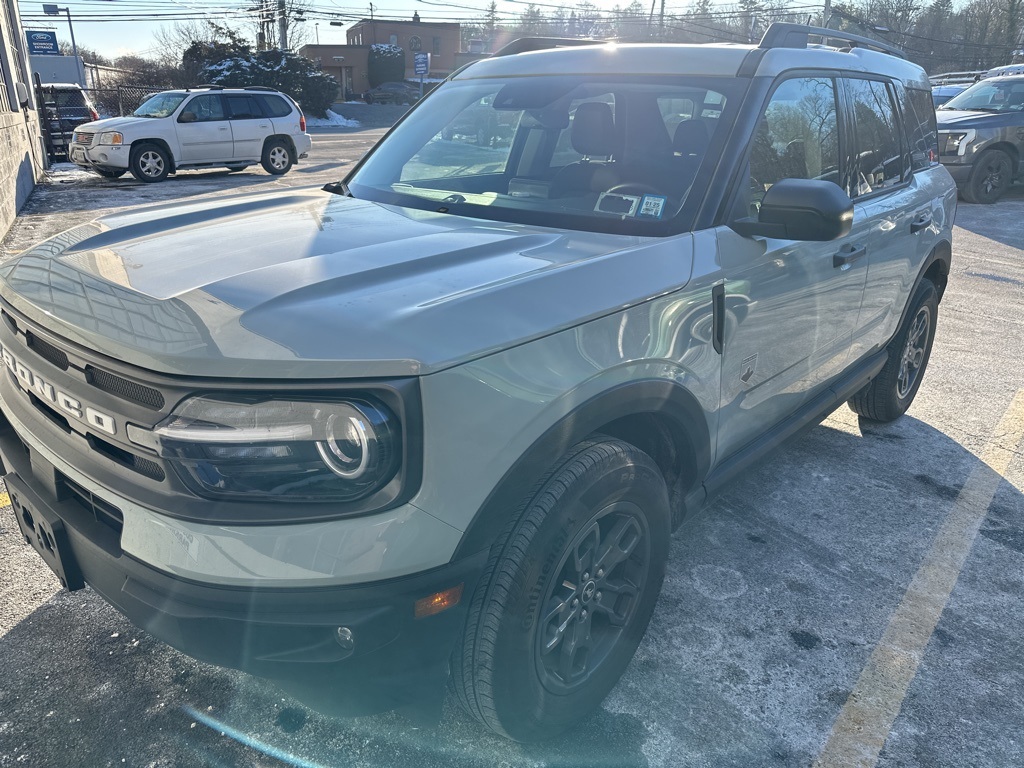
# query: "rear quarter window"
[[275, 106], [922, 133]]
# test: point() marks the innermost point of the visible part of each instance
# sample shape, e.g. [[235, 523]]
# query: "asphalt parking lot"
[[854, 600]]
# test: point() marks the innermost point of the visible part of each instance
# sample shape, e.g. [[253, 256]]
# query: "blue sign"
[[42, 43], [421, 63]]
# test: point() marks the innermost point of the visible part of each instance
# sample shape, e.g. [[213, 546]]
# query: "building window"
[[437, 46]]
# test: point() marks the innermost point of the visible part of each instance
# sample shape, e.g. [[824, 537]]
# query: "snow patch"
[[333, 118]]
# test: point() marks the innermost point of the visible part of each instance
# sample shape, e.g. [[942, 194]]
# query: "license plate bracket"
[[48, 537], [77, 154]]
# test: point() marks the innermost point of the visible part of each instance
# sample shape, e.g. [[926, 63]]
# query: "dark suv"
[[981, 137], [67, 106]]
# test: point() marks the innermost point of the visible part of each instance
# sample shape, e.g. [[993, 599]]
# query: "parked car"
[[436, 421], [67, 106], [392, 93], [981, 137], [206, 127], [943, 93]]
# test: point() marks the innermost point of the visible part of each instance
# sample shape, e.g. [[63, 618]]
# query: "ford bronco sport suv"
[[437, 421], [205, 127]]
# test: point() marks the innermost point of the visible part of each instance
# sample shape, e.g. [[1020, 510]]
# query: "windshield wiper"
[[338, 188]]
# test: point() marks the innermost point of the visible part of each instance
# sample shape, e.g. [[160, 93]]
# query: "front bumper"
[[960, 171], [99, 156], [289, 635]]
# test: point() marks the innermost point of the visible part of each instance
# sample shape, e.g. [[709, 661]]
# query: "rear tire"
[[890, 394], [149, 163], [567, 593], [277, 157], [990, 177]]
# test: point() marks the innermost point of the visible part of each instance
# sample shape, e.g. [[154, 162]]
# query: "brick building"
[[21, 152], [441, 40], [345, 63]]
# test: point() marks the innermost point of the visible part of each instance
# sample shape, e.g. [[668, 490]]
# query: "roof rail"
[[527, 44], [785, 35], [258, 88], [210, 86]]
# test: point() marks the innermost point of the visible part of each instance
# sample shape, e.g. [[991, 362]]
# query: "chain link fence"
[[121, 99]]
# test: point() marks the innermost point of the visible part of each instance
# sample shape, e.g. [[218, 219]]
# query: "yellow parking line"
[[866, 719], [5, 500]]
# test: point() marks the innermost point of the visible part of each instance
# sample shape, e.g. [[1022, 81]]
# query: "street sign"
[[421, 63], [42, 43]]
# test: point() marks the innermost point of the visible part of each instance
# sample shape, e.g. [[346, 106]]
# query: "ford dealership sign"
[[42, 43]]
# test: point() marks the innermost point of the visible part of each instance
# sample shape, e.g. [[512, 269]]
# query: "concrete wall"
[[18, 165]]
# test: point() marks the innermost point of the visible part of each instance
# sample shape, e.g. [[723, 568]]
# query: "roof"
[[715, 59]]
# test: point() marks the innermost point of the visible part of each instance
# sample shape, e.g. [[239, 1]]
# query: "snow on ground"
[[333, 118]]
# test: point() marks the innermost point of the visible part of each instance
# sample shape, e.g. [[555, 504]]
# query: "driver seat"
[[592, 134]]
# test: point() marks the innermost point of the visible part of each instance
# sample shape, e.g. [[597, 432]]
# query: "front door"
[[203, 130], [791, 307]]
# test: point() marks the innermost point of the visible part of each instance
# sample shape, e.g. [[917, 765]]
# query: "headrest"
[[593, 129], [691, 138]]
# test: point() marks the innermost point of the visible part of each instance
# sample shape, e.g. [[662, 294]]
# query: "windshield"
[[990, 96], [597, 153], [160, 105]]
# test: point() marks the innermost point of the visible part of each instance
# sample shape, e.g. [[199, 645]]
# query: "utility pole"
[[827, 16], [282, 25]]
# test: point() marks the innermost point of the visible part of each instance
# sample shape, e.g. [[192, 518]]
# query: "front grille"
[[129, 390], [103, 511], [85, 139], [140, 464], [47, 351]]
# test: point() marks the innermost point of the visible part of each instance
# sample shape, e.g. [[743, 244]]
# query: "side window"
[[243, 107], [797, 136], [206, 108], [877, 156], [919, 122], [274, 106]]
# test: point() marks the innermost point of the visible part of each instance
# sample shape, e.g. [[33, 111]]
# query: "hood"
[[116, 123], [310, 284], [955, 118]]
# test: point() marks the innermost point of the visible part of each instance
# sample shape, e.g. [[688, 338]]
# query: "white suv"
[[196, 128]]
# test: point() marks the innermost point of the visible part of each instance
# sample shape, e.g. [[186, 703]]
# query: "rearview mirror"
[[187, 117], [800, 209]]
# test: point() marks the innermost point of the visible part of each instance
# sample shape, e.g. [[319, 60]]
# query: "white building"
[[21, 152]]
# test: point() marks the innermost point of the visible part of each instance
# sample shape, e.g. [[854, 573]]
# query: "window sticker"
[[652, 206]]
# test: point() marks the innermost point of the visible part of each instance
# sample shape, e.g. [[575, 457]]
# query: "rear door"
[[284, 118], [203, 130], [249, 125], [889, 207]]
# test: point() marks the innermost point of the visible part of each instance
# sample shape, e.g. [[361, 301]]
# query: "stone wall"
[[17, 169]]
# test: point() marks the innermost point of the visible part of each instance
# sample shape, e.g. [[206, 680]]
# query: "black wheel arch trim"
[[659, 397], [940, 259]]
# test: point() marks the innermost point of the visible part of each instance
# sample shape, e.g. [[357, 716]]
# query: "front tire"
[[890, 394], [117, 174], [277, 157], [990, 177], [567, 594], [149, 163]]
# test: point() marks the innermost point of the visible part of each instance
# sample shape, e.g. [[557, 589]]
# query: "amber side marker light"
[[439, 601]]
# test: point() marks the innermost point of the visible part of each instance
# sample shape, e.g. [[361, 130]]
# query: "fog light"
[[345, 638], [439, 601]]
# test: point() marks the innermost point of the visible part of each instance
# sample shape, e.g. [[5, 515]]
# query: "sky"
[[113, 39]]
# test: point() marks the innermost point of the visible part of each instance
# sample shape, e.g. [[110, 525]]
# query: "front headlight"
[[287, 450], [110, 138], [956, 141]]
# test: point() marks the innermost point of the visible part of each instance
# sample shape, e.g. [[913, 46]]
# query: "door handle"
[[848, 254], [222, 128], [264, 125], [923, 221]]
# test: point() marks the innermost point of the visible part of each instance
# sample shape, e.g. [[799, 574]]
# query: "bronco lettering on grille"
[[32, 382]]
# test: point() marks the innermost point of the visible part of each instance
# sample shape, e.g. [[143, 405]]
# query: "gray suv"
[[437, 422]]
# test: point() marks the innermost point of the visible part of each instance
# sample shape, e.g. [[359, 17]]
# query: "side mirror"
[[800, 209], [187, 117]]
